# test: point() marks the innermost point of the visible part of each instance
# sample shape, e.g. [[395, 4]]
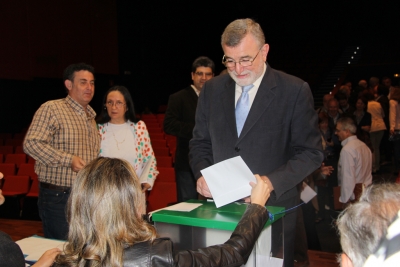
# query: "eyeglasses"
[[118, 104], [245, 62], [207, 74]]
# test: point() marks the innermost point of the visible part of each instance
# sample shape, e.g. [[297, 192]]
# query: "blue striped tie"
[[242, 108]]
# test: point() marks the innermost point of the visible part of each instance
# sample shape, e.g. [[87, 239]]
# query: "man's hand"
[[77, 164], [47, 259], [326, 170], [202, 187]]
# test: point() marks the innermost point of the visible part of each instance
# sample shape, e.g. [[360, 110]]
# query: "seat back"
[[162, 195], [166, 175], [16, 185], [161, 151], [159, 143], [7, 168], [34, 189], [27, 169], [6, 150], [18, 159], [164, 161]]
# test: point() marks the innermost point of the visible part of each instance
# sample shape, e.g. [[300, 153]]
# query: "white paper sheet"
[[228, 180], [34, 247], [144, 170], [183, 206], [307, 194]]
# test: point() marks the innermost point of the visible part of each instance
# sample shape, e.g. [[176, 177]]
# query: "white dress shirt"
[[252, 92], [354, 167]]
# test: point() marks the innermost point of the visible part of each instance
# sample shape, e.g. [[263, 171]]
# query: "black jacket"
[[179, 121], [234, 252]]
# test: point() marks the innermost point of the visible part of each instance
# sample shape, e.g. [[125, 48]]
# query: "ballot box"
[[208, 225]]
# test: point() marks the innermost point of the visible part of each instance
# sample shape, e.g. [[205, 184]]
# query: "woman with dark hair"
[[124, 136], [362, 117], [106, 227]]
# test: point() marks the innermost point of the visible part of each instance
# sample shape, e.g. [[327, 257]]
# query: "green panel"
[[209, 216]]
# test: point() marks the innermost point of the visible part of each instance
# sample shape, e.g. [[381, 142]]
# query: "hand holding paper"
[[228, 180]]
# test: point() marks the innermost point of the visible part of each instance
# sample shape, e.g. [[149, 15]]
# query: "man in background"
[[179, 121], [355, 162], [62, 138]]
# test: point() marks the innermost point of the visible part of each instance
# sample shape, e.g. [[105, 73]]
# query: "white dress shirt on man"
[[355, 166]]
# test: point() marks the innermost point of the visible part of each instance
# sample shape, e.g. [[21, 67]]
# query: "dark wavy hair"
[[129, 114]]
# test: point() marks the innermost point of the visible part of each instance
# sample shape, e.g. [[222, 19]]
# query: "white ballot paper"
[[35, 246], [307, 194], [229, 180]]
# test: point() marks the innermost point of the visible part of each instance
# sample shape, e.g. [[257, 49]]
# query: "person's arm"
[[392, 115], [237, 249], [47, 259], [148, 154], [39, 137], [201, 155], [305, 142], [347, 176], [173, 120]]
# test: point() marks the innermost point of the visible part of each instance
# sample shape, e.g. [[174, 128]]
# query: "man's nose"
[[238, 68]]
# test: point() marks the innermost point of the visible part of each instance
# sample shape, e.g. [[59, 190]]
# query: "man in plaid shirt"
[[62, 138]]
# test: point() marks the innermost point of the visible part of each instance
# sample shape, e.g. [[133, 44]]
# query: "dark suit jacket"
[[280, 137], [179, 121]]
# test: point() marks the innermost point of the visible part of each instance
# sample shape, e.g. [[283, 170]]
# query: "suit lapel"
[[263, 99], [228, 102]]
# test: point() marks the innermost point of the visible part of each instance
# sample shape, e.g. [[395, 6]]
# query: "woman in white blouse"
[[394, 121], [124, 136], [377, 129]]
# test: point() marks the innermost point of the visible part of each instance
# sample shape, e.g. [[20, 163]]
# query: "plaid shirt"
[[60, 130]]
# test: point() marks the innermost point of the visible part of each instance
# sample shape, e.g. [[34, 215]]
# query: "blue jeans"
[[52, 210]]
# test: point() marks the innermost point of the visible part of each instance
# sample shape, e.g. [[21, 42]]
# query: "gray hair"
[[347, 123], [361, 225], [238, 29]]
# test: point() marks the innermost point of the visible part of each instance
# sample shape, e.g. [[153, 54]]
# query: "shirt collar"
[[91, 114], [259, 79], [195, 90], [348, 139]]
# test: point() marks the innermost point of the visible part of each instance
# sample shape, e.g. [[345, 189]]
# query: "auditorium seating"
[[18, 159], [162, 195], [166, 175]]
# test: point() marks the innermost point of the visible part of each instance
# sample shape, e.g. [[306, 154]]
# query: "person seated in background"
[[106, 227], [363, 224], [11, 255]]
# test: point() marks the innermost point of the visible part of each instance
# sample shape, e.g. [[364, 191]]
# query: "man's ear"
[[68, 84], [346, 262]]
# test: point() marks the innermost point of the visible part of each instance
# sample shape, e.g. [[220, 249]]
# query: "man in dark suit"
[[179, 121], [279, 140]]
